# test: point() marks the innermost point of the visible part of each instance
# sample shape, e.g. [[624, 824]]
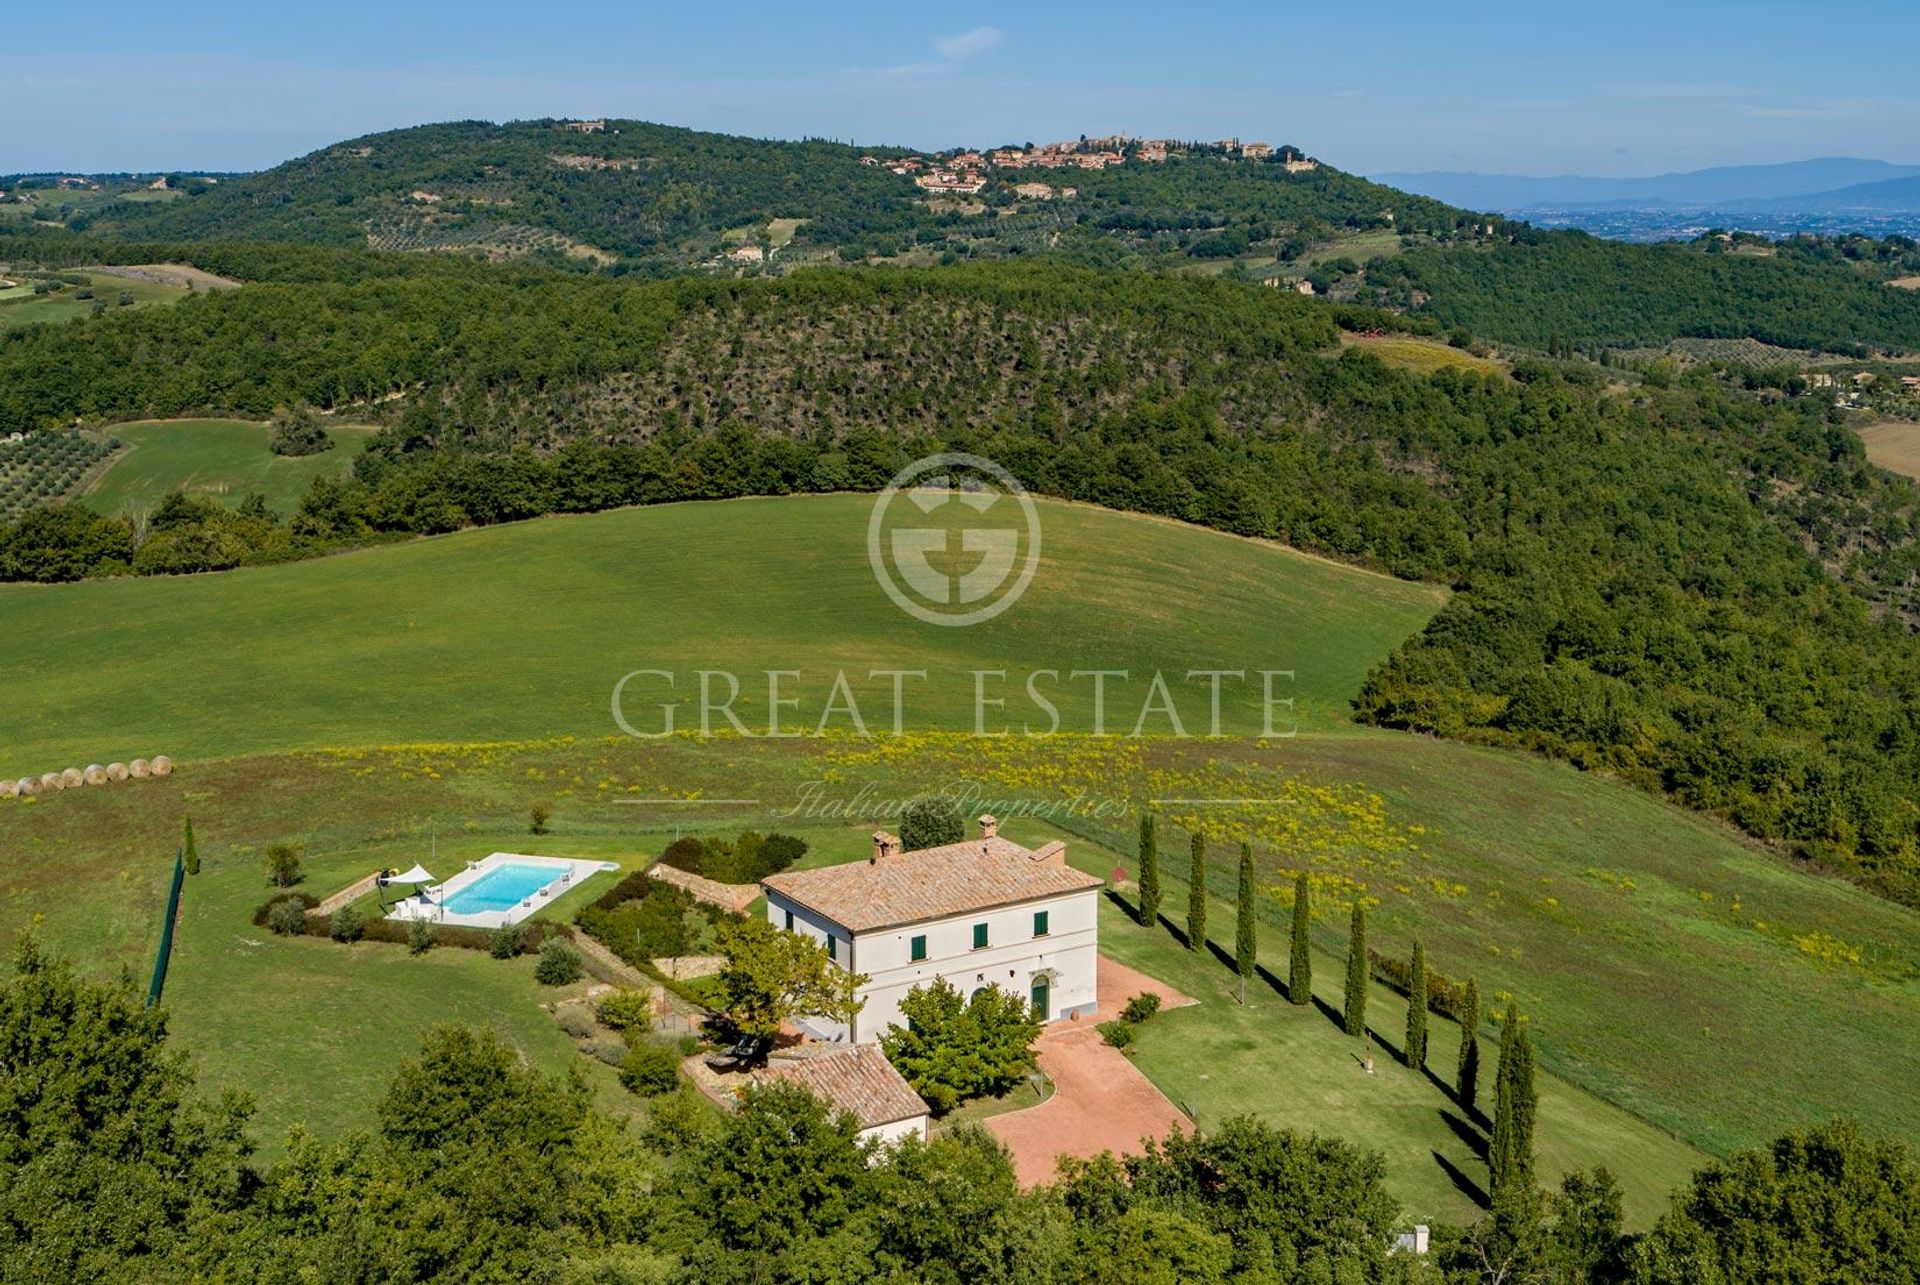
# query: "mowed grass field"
[[221, 459], [1408, 352], [1894, 446], [525, 631], [26, 308]]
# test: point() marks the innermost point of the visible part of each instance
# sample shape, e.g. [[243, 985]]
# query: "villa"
[[982, 912]]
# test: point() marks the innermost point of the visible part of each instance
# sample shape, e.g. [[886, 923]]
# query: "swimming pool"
[[502, 888]]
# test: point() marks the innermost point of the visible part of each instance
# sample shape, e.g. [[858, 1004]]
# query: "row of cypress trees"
[[1510, 1152]]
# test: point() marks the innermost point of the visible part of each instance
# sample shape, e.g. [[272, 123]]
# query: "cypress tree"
[[1417, 1008], [1500, 1149], [1245, 944], [1357, 972], [1149, 872], [1197, 895], [1300, 970], [193, 850], [1525, 1106], [1466, 1074]]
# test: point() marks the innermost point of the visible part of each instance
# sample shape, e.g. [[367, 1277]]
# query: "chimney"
[[989, 827], [884, 846], [1052, 854]]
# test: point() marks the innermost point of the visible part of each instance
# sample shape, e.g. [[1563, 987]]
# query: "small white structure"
[[860, 1081], [983, 912]]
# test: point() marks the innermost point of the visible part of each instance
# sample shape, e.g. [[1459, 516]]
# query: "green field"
[[1423, 355], [24, 308], [524, 631], [222, 459]]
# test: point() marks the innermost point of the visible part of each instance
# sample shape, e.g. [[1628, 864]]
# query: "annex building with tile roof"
[[983, 912], [859, 1080]]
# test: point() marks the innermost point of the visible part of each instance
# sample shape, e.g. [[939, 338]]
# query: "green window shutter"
[[789, 921], [919, 948], [833, 947], [1039, 923], [979, 936]]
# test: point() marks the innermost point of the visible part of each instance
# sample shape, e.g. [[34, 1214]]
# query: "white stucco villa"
[[983, 912]]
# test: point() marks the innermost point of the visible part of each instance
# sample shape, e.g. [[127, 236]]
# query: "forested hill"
[[640, 198], [659, 197], [1689, 587]]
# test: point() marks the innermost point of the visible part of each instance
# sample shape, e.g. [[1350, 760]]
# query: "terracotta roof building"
[[983, 912], [860, 1081]]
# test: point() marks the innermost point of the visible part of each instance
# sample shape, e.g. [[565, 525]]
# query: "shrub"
[[297, 431], [574, 1020], [537, 818], [288, 918], [283, 865], [628, 1011], [346, 925], [263, 917], [930, 821], [651, 1069], [686, 853], [611, 1051], [419, 937], [1140, 1007], [1119, 1033], [559, 963], [507, 941]]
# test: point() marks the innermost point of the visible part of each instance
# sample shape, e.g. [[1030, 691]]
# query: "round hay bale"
[[161, 765], [116, 771], [94, 774], [28, 787], [9, 788], [72, 778], [51, 781], [141, 769]]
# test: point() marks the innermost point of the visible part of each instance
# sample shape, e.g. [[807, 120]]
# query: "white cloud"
[[969, 43]]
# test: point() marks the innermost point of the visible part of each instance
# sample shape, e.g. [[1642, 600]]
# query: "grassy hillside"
[[523, 631], [222, 459]]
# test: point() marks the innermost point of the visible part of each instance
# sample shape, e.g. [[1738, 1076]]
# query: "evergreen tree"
[[1245, 944], [1149, 872], [1466, 1074], [1525, 1106], [1300, 970], [192, 850], [1417, 1008], [1357, 972], [1510, 1156], [1197, 895]]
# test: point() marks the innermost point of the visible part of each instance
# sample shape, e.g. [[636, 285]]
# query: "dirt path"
[[1100, 1100]]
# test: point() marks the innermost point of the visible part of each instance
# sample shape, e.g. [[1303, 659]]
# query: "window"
[[789, 921], [1039, 923], [979, 936], [833, 947], [919, 948]]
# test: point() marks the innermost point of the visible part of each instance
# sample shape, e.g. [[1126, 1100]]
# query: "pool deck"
[[569, 872]]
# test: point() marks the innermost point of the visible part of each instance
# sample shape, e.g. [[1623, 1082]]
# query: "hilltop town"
[[965, 172]]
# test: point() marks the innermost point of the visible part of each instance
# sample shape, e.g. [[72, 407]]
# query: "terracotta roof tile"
[[931, 883], [856, 1079]]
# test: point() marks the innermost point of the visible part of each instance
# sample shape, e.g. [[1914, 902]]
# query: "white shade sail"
[[416, 875]]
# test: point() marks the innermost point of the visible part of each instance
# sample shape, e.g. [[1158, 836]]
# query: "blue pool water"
[[501, 888]]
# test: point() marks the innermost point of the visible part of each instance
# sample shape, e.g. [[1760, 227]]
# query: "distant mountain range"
[[1812, 184]]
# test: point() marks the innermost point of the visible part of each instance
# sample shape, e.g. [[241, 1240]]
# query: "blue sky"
[[1622, 88]]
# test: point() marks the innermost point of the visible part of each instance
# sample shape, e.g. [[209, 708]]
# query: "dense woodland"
[[114, 1166], [1706, 594], [1535, 287]]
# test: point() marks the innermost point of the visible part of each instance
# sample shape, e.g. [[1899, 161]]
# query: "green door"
[[1040, 1010]]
